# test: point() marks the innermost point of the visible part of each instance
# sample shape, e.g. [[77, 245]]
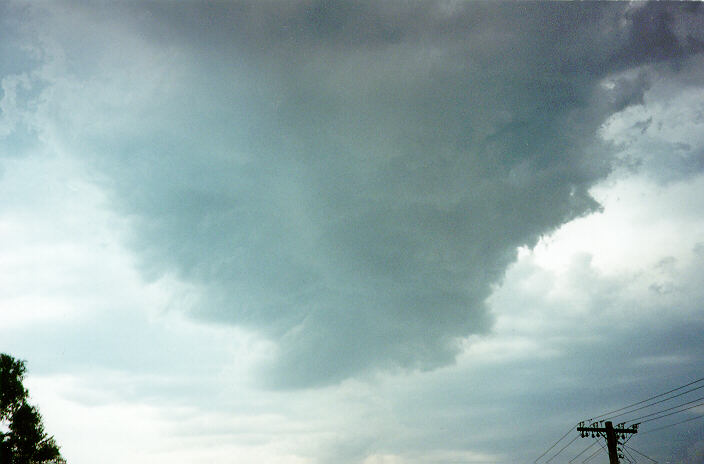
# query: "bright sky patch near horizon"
[[356, 232]]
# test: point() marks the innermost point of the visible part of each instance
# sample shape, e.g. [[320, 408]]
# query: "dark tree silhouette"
[[22, 436]]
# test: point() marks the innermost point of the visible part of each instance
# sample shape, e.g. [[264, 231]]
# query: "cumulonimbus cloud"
[[348, 179]]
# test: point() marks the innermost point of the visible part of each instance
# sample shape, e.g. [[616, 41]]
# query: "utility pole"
[[610, 433]]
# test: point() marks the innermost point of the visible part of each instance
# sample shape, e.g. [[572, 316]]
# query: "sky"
[[376, 232]]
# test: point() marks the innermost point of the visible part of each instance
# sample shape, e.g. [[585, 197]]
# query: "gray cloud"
[[661, 134], [350, 180]]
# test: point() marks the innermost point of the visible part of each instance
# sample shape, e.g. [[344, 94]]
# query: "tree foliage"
[[22, 436]]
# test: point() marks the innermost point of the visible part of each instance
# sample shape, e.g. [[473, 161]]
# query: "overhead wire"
[[595, 452], [626, 457], [646, 457], [672, 425], [602, 446], [657, 402], [628, 410], [627, 439], [623, 443], [583, 451], [669, 409], [562, 449], [626, 452], [647, 399], [671, 413], [554, 444], [588, 458]]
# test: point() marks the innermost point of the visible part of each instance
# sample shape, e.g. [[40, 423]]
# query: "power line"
[[672, 425], [610, 431], [625, 450], [583, 451], [553, 445], [646, 457], [630, 456], [670, 409], [671, 413], [657, 402], [627, 457], [646, 400], [596, 452], [592, 455], [562, 449]]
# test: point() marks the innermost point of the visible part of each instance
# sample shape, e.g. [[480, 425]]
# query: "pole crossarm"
[[618, 430], [611, 434]]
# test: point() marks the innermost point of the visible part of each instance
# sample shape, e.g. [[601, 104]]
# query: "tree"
[[22, 436]]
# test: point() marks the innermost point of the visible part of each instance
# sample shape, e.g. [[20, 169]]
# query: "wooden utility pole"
[[610, 433]]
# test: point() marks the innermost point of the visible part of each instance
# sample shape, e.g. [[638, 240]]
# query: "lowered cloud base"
[[348, 180]]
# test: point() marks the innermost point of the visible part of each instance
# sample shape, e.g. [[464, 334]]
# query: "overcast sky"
[[375, 232]]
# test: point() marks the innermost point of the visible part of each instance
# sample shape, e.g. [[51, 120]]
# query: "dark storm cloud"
[[350, 179]]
